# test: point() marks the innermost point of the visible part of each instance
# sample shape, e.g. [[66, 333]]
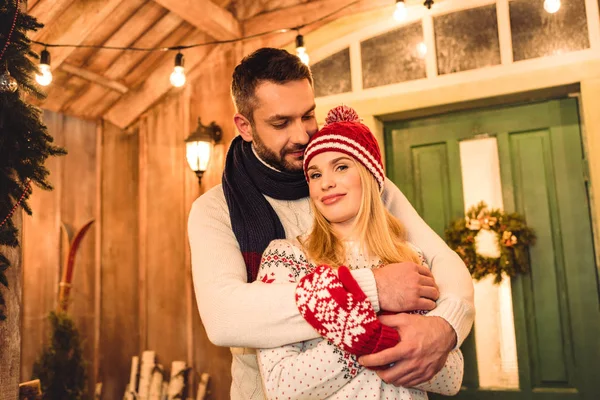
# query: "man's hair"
[[265, 64], [380, 233]]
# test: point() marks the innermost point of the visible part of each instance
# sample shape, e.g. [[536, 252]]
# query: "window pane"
[[467, 40], [537, 33], [393, 57], [332, 74]]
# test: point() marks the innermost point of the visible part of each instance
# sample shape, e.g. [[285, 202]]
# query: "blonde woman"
[[352, 229]]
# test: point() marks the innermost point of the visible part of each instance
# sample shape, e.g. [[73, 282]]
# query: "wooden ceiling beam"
[[161, 35], [222, 3], [75, 24], [105, 32], [64, 86], [137, 77], [133, 104], [206, 16], [30, 4], [88, 102], [46, 11], [135, 27], [130, 106], [94, 78], [128, 22], [301, 14]]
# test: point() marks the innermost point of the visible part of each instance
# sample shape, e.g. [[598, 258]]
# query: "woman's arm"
[[449, 379], [307, 370]]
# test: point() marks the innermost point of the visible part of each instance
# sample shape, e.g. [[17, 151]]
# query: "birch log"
[[203, 386], [156, 383], [131, 390], [148, 362], [98, 391], [177, 382], [165, 390]]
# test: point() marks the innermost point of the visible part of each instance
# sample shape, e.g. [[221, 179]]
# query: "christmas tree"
[[24, 140], [61, 367]]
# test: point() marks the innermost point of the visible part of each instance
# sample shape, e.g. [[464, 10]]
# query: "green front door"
[[543, 177]]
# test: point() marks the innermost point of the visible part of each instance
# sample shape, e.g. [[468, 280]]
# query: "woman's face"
[[335, 188]]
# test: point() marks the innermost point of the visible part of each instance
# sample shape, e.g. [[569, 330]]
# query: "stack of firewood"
[[147, 380]]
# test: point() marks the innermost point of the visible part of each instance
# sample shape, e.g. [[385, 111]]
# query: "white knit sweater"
[[317, 369], [247, 316]]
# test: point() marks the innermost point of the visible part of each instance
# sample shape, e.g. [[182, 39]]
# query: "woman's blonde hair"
[[380, 233]]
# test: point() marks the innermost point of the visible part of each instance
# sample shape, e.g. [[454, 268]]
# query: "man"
[[264, 197]]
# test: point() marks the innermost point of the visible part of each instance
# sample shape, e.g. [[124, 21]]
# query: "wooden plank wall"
[[72, 203], [163, 270], [133, 286], [119, 301], [41, 256]]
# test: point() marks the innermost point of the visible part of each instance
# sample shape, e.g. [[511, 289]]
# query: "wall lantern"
[[199, 146]]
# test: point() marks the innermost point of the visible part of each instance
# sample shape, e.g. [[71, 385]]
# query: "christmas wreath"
[[491, 242]]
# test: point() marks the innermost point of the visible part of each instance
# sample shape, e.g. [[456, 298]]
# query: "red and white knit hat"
[[343, 132]]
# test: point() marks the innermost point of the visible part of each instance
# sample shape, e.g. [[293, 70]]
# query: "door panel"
[[556, 307], [431, 183], [534, 172]]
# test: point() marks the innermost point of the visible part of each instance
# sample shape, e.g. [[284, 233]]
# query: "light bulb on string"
[[551, 6], [301, 50], [44, 78], [401, 12], [178, 75]]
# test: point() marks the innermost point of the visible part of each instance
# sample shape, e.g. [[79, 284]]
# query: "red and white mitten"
[[339, 310]]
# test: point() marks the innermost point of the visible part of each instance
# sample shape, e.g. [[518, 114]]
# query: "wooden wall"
[[132, 286], [72, 203], [119, 318]]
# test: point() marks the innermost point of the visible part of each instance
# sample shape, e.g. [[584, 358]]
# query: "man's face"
[[284, 120]]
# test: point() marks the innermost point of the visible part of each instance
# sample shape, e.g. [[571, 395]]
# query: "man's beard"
[[277, 161]]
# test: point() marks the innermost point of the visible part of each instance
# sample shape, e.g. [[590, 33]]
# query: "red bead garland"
[[26, 190], [12, 28]]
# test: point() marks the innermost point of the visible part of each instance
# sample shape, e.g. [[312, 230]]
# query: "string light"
[[401, 12], [44, 78], [301, 50], [203, 44], [551, 6], [178, 75]]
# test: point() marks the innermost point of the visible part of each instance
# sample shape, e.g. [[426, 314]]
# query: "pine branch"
[[25, 143]]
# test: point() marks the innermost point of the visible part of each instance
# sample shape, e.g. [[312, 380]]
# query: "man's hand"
[[405, 286], [421, 353]]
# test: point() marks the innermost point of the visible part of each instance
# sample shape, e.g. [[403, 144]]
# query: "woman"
[[352, 229]]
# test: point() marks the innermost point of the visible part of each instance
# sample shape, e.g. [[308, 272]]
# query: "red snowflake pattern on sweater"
[[317, 369], [296, 263], [345, 318]]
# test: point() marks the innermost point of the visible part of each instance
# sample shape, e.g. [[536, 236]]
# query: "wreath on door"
[[491, 242]]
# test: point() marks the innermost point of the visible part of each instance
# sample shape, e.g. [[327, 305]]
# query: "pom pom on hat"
[[341, 114]]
